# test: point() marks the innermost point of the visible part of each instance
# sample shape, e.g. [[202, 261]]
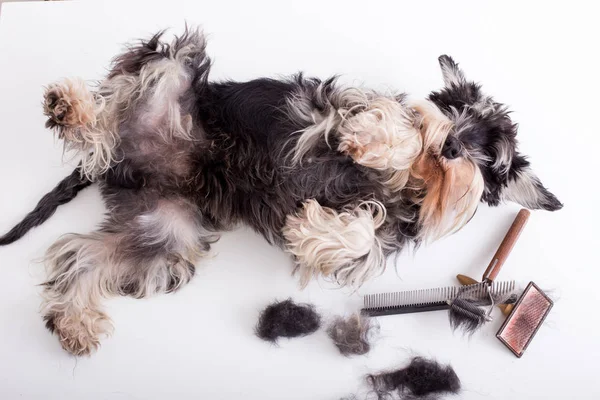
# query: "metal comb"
[[430, 299]]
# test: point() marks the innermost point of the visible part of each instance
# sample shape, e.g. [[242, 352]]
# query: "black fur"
[[64, 192], [287, 319], [464, 314], [49, 322], [244, 174], [420, 378]]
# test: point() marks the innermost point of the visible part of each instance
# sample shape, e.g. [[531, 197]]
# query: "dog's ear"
[[453, 76], [525, 188]]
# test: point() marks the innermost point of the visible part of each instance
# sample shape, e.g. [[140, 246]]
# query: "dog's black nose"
[[452, 148]]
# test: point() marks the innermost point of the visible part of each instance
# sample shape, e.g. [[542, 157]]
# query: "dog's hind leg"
[[78, 267], [153, 252], [342, 245]]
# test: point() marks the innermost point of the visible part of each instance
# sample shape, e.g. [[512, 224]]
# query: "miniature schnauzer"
[[340, 177]]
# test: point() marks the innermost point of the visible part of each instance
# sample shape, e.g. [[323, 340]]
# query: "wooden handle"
[[506, 308], [466, 280], [506, 246]]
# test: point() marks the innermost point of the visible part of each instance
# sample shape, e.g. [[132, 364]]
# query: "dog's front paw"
[[55, 108], [68, 105], [79, 334]]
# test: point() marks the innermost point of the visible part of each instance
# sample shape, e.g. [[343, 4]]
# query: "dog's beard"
[[447, 190]]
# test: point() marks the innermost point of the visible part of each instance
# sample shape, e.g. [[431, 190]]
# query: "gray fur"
[[353, 335]]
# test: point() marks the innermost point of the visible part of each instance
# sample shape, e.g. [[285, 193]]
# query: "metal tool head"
[[433, 299]]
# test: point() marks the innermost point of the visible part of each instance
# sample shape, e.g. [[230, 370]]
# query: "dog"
[[340, 177]]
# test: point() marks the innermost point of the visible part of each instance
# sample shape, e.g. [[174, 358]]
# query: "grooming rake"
[[458, 299]]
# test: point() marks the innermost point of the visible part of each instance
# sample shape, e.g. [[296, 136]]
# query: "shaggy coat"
[[340, 177]]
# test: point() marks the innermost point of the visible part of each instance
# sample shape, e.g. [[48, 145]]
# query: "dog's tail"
[[64, 192]]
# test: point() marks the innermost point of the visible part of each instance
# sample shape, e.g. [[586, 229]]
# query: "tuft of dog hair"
[[466, 316], [287, 319], [353, 335], [421, 378]]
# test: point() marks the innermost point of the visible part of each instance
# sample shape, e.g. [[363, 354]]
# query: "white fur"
[[485, 105], [377, 131], [338, 245], [321, 123], [383, 136], [452, 74], [172, 225], [505, 152], [523, 190]]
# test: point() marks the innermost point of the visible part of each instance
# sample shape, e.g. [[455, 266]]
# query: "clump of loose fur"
[[467, 316], [421, 377], [287, 319], [353, 335], [468, 312]]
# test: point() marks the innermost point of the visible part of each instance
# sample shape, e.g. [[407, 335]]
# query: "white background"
[[542, 59]]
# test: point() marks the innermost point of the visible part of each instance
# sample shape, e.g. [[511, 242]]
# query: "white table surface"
[[541, 59]]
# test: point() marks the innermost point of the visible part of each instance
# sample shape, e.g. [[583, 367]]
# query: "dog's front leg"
[[80, 118], [378, 132], [70, 106]]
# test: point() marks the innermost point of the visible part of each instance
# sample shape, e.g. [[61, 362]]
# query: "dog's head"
[[484, 133], [469, 155]]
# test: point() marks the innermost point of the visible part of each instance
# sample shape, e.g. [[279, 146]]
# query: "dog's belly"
[[252, 187]]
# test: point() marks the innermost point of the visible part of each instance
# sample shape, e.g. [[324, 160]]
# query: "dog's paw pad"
[[82, 345], [56, 109], [80, 334], [68, 104]]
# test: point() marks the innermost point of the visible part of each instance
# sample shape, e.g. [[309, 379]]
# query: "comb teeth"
[[429, 299]]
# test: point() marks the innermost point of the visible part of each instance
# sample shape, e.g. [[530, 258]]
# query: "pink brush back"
[[524, 321]]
